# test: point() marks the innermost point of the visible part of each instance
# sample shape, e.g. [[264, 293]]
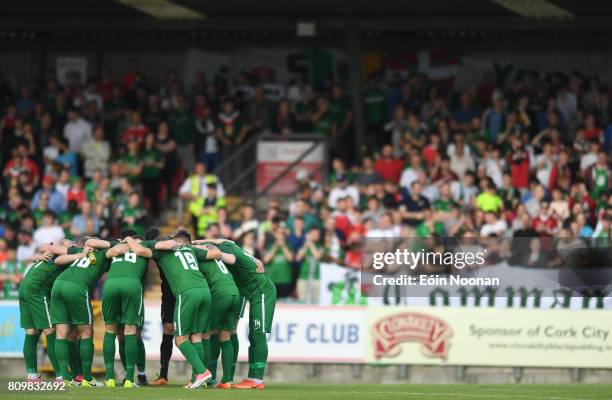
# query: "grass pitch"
[[323, 391]]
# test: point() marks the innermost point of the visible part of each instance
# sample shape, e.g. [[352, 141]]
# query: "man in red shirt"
[[591, 130], [131, 77], [389, 167], [519, 164], [137, 130], [20, 162], [545, 223]]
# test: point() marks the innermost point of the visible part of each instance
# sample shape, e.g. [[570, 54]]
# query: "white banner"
[[424, 335], [280, 66], [67, 67], [300, 333], [489, 337], [273, 157], [342, 286]]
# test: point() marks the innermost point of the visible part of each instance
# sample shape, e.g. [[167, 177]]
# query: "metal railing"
[[238, 170]]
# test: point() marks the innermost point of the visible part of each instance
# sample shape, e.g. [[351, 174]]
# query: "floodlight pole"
[[353, 46]]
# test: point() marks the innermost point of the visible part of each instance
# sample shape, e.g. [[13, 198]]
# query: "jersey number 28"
[[129, 256]]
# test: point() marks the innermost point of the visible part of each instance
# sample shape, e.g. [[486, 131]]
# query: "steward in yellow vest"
[[205, 209]]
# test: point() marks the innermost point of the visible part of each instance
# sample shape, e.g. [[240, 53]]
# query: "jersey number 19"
[[188, 261]]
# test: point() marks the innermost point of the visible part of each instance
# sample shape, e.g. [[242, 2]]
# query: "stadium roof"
[[162, 23], [312, 9]]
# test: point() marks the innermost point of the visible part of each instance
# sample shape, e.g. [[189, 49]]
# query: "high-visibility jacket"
[[207, 216], [195, 205]]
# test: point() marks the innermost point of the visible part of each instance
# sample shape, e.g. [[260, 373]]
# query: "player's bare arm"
[[42, 256], [97, 243], [215, 241], [68, 258], [167, 244], [212, 253], [137, 248], [228, 258], [117, 250]]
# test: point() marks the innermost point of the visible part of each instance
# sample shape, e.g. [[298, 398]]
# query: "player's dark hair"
[[152, 234], [82, 240], [127, 232], [182, 233]]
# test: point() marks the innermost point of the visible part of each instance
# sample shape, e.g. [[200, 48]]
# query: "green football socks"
[[108, 349], [227, 359], [192, 357], [214, 355], [76, 366], [87, 354], [131, 355], [51, 351], [236, 346], [62, 353], [29, 354], [141, 361], [259, 352]]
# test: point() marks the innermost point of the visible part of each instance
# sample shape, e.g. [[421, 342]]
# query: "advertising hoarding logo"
[[432, 333]]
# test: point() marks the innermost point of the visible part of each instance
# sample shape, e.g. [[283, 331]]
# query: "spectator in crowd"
[[388, 166], [207, 209], [152, 166], [77, 131], [308, 256], [208, 144], [136, 130], [49, 231], [341, 190], [96, 153], [278, 259], [12, 271], [375, 109], [27, 247], [414, 205], [196, 186], [411, 173], [79, 222], [232, 128], [183, 131], [493, 225], [248, 221], [488, 200], [167, 147]]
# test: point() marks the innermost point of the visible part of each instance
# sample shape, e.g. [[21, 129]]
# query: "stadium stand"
[[90, 159]]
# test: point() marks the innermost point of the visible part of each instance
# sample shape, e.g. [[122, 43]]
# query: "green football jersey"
[[83, 271], [180, 266], [128, 265], [40, 275], [219, 279], [244, 271]]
